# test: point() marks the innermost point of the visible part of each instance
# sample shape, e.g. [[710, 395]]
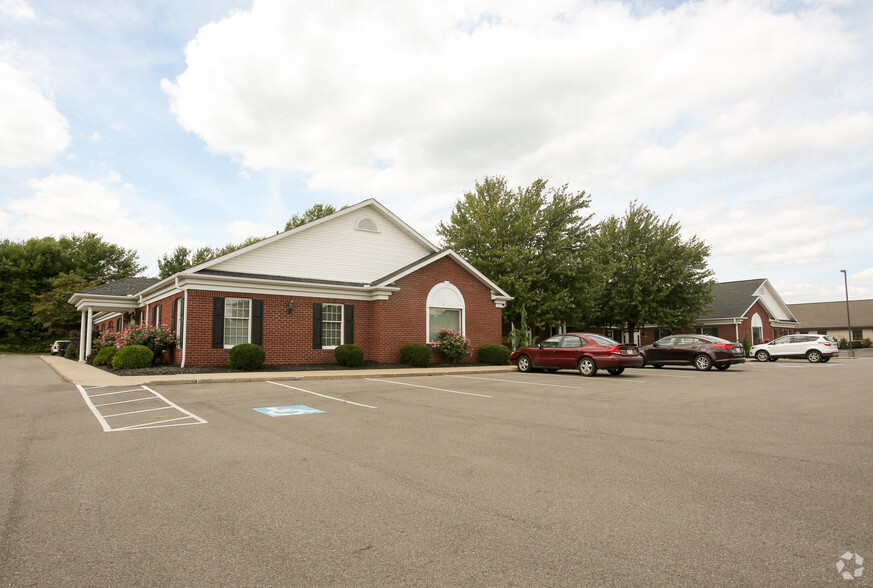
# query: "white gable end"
[[360, 246]]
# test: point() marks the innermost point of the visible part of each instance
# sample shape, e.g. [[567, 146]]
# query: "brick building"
[[359, 276], [745, 309]]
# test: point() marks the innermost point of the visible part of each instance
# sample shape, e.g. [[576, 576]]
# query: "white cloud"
[[17, 10], [240, 230], [422, 99], [61, 204], [33, 130], [776, 233]]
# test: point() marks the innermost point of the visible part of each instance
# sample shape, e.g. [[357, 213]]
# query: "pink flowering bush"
[[452, 344], [158, 339]]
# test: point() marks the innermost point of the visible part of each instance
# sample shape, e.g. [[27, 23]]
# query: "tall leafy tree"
[[27, 269], [530, 241], [92, 258], [648, 273], [314, 212], [182, 258], [53, 312]]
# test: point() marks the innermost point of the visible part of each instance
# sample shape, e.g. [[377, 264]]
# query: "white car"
[[58, 347], [812, 347]]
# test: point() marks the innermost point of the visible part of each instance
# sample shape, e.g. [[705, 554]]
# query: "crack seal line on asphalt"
[[322, 395], [428, 387]]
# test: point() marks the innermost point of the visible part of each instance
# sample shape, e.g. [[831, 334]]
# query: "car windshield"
[[601, 340]]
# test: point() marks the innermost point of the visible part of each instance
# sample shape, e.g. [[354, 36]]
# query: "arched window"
[[757, 329], [445, 310]]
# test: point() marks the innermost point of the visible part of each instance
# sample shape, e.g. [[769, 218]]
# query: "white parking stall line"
[[109, 416], [107, 428], [122, 402], [322, 395], [427, 387]]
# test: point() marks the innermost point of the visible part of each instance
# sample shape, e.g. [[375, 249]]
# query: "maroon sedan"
[[586, 352]]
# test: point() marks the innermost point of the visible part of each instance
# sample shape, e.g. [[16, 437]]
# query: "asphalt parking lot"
[[756, 476]]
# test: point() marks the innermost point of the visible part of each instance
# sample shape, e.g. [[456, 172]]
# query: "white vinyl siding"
[[237, 321], [334, 250]]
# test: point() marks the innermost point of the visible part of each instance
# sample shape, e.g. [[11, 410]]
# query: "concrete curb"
[[87, 375]]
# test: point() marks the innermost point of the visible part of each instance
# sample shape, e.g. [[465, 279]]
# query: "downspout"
[[184, 322], [88, 341]]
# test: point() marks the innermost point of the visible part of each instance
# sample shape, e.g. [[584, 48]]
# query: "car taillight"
[[724, 345], [614, 349], [827, 343]]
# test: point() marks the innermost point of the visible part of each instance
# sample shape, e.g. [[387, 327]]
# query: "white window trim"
[[432, 298], [342, 323], [248, 325]]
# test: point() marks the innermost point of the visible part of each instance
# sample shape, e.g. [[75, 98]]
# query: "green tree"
[[314, 212], [182, 258], [27, 269], [530, 242], [648, 273], [92, 258], [53, 312]]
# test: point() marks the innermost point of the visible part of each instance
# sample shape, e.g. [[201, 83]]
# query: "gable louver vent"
[[367, 224]]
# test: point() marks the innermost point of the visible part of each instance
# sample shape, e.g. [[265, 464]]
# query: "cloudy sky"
[[203, 122]]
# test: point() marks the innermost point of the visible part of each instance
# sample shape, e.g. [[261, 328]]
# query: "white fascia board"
[[104, 303], [497, 295], [283, 288], [370, 202], [733, 320]]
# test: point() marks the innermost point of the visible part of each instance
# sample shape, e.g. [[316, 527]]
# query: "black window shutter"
[[316, 325], [218, 322], [258, 322], [173, 306], [349, 320]]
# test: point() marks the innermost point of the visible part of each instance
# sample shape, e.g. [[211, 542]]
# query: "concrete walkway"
[[87, 375]]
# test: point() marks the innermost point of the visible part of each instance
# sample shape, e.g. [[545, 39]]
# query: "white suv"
[[815, 348]]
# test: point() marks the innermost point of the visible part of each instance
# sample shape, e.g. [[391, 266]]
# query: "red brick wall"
[[381, 327]]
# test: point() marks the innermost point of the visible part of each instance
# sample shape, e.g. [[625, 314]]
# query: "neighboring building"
[[831, 318], [360, 275], [746, 309]]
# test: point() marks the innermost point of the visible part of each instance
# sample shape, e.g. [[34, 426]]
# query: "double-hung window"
[[237, 321], [331, 325]]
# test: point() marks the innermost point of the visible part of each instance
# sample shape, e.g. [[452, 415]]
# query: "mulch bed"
[[173, 370]]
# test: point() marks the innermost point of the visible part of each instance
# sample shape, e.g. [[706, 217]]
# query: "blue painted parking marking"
[[275, 411]]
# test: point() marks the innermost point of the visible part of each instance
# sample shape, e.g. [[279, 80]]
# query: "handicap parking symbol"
[[275, 411]]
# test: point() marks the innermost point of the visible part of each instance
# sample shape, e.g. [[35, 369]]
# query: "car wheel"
[[702, 362], [587, 367], [813, 355], [615, 371], [762, 356], [722, 366], [524, 364], [657, 365]]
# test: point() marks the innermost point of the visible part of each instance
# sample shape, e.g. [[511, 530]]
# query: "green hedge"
[[491, 354], [415, 355], [349, 355], [132, 357], [105, 355], [246, 357]]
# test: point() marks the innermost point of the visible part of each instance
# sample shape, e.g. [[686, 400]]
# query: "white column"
[[90, 332], [82, 338]]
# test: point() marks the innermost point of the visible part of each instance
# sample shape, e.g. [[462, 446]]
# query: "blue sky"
[[162, 123]]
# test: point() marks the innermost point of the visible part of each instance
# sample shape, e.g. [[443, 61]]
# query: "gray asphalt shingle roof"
[[733, 299], [122, 287]]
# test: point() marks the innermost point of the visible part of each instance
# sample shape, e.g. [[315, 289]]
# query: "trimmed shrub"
[[349, 355], [491, 354], [452, 344], [246, 357], [133, 357], [415, 354], [105, 355], [72, 351]]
